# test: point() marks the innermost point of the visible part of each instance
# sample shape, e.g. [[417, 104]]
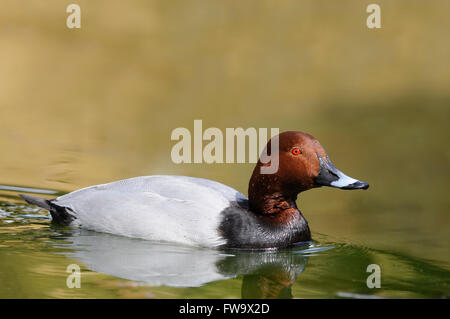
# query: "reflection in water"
[[266, 274]]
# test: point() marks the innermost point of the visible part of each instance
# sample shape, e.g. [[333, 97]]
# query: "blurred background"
[[86, 106]]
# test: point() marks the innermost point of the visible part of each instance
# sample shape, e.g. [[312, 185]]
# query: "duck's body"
[[186, 210], [201, 212], [179, 209]]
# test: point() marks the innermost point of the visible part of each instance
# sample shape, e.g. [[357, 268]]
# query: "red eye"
[[296, 151]]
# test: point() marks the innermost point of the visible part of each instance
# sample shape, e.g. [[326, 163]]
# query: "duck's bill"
[[329, 175]]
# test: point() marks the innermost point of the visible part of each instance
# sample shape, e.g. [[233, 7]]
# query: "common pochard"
[[206, 213]]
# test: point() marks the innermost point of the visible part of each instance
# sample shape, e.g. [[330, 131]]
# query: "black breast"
[[244, 229]]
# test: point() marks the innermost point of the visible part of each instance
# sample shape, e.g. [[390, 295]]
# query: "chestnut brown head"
[[302, 164]]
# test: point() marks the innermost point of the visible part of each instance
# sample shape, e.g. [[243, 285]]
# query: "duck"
[[200, 212]]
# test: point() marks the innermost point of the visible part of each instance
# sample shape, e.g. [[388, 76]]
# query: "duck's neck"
[[275, 209], [279, 210], [266, 195], [271, 203]]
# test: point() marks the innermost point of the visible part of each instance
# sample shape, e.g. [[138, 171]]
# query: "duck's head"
[[302, 164]]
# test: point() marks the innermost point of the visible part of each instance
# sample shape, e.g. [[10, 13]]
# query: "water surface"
[[35, 254]]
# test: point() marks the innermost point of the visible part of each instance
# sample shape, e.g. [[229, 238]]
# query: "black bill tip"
[[357, 185]]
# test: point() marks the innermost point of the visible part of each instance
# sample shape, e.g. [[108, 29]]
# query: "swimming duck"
[[201, 212]]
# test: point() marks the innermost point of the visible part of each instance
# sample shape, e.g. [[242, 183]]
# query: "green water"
[[34, 256], [401, 223]]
